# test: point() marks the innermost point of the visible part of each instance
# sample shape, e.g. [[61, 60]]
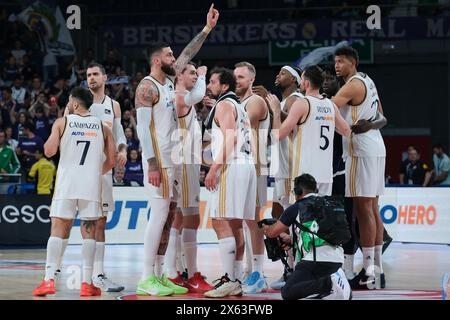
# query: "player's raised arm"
[[146, 96], [52, 144], [194, 46]]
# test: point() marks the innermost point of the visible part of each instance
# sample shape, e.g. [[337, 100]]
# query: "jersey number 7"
[[85, 151]]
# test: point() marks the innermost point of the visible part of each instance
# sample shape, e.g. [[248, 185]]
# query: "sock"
[[180, 254], [238, 270], [159, 266], [258, 263], [54, 247], [99, 258], [189, 240], [377, 260], [171, 254], [227, 248], [153, 232], [63, 249], [248, 249], [368, 259], [88, 253], [348, 263]]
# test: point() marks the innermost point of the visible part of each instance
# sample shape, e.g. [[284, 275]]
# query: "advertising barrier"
[[409, 214]]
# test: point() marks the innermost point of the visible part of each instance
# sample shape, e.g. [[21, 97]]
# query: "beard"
[[168, 69]]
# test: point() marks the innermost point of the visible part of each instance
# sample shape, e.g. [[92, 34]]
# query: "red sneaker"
[[197, 284], [46, 287], [179, 281], [89, 290]]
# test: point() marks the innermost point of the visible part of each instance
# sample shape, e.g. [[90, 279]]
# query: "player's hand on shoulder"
[[361, 126], [260, 91]]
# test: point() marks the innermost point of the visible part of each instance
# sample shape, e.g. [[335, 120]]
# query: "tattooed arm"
[[194, 46], [147, 96]]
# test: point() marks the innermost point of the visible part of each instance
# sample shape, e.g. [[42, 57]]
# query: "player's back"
[[81, 159], [370, 143], [313, 141]]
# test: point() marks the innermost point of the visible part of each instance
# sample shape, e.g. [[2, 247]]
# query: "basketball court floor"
[[413, 271]]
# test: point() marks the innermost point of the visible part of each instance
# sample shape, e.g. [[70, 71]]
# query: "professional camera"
[[274, 246]]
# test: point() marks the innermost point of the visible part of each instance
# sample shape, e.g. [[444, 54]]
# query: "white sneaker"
[[225, 288], [102, 282], [340, 289], [255, 283]]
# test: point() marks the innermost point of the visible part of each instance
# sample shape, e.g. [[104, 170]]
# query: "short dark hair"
[[315, 75], [439, 146], [82, 95], [155, 48], [30, 126], [305, 182], [226, 76], [348, 52], [94, 64]]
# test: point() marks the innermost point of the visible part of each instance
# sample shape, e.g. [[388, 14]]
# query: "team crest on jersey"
[[107, 111]]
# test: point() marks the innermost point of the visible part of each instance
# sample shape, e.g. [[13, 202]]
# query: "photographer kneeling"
[[318, 274]]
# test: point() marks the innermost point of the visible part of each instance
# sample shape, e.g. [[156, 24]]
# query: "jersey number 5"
[[85, 151], [323, 136]]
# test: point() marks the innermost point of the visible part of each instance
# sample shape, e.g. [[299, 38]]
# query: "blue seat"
[[21, 188]]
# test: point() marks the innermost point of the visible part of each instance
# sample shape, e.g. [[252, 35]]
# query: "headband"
[[293, 72]]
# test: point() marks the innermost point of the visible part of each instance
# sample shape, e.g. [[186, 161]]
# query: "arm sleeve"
[[197, 93], [289, 215], [144, 117], [119, 135]]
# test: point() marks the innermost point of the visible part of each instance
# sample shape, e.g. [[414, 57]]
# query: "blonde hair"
[[249, 66]]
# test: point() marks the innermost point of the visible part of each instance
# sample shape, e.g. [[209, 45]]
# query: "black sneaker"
[[362, 282], [387, 239]]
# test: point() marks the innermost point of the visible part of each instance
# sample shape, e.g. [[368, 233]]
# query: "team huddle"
[[248, 136]]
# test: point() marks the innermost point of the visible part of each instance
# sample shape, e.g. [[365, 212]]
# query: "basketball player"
[[258, 113], [190, 89], [311, 122], [365, 156], [84, 141], [288, 81], [107, 110], [156, 127], [232, 176]]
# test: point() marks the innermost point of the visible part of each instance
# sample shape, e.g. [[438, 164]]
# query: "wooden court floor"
[[413, 271]]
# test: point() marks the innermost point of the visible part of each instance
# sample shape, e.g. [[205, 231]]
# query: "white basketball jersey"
[[313, 141], [191, 137], [370, 143], [280, 164], [262, 132], [104, 111], [242, 150], [81, 159], [164, 123]]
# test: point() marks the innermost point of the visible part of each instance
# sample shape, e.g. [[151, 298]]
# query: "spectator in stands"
[[13, 143], [133, 167], [27, 69], [413, 170], [18, 126], [8, 159], [118, 178], [36, 89], [60, 91], [19, 93], [7, 105], [45, 171], [18, 52], [50, 66], [55, 111], [28, 146], [11, 71], [132, 142], [41, 122], [111, 63], [128, 120], [441, 166]]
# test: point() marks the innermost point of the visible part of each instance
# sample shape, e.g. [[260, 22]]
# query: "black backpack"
[[330, 216]]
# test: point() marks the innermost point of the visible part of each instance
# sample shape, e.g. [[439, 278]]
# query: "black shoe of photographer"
[[362, 281]]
